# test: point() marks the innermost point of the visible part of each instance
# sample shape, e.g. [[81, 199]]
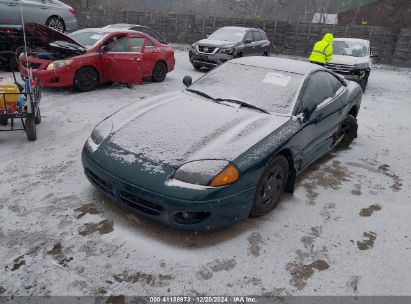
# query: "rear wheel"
[[31, 132], [4, 121], [348, 130], [56, 23], [159, 72], [86, 79], [270, 186]]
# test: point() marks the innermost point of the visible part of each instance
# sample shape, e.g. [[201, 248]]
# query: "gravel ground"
[[345, 230]]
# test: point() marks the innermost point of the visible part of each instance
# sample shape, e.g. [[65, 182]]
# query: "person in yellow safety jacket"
[[323, 50]]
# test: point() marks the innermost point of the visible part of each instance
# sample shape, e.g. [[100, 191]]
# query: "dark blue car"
[[227, 146]]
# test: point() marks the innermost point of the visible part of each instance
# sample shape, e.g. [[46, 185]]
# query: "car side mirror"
[[247, 41], [309, 109], [104, 49], [187, 80]]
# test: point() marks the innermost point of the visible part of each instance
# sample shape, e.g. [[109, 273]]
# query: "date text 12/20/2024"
[[203, 299]]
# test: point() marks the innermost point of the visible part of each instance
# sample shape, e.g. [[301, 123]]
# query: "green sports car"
[[227, 146]]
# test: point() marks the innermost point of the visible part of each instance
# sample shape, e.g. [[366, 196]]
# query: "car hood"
[[181, 127], [348, 60], [217, 43], [46, 35]]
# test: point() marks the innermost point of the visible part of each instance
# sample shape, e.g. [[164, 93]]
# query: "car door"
[[258, 42], [151, 55], [248, 44], [122, 62], [10, 12], [36, 10], [326, 91]]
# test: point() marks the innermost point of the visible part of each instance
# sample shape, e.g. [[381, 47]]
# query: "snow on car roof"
[[351, 39], [104, 30], [280, 64]]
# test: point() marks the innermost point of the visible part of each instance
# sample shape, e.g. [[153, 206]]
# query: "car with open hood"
[[92, 56], [352, 59], [227, 43], [227, 146]]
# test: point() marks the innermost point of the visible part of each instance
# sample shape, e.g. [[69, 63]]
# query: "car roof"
[[240, 28], [352, 39], [281, 64], [105, 30], [125, 26]]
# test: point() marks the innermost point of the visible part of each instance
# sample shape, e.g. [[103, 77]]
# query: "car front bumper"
[[58, 78], [208, 61], [209, 214]]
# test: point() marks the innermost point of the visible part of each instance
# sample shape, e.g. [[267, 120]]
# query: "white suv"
[[352, 58]]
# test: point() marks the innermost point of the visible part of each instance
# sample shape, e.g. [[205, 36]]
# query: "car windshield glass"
[[350, 48], [228, 34], [88, 39], [267, 89]]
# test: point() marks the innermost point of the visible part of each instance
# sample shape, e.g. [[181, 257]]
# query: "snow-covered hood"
[[217, 43], [349, 60], [180, 127]]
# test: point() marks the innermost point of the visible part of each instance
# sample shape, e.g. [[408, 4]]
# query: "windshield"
[[228, 34], [264, 88], [87, 39], [350, 48]]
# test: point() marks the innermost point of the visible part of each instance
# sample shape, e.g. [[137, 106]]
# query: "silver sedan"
[[52, 13]]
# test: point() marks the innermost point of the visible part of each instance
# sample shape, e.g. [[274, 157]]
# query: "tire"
[[86, 79], [348, 129], [266, 54], [159, 72], [3, 121], [56, 23], [31, 133], [270, 186], [38, 116], [197, 67]]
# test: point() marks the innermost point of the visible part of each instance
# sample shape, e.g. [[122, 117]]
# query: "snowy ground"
[[345, 230]]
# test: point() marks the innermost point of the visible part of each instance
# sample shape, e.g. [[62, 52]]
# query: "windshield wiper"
[[201, 93], [242, 104]]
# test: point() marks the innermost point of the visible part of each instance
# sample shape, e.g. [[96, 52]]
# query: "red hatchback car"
[[91, 56]]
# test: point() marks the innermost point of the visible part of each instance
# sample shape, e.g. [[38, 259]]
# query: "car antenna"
[[27, 83]]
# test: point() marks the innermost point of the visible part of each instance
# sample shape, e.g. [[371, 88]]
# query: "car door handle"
[[11, 4], [44, 7], [136, 59]]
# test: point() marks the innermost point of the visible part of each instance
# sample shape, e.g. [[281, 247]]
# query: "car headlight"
[[214, 173], [361, 66], [228, 51], [59, 64], [101, 131]]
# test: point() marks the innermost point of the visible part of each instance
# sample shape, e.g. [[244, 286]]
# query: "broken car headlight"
[[101, 132], [59, 64], [361, 66], [214, 173]]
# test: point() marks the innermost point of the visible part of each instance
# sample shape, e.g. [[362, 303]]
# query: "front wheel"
[[270, 186], [348, 130], [31, 132], [86, 79], [159, 72]]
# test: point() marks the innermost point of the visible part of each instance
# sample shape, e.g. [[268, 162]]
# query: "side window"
[[149, 43], [318, 88], [136, 44], [119, 46], [256, 36], [249, 36], [335, 83], [263, 36]]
